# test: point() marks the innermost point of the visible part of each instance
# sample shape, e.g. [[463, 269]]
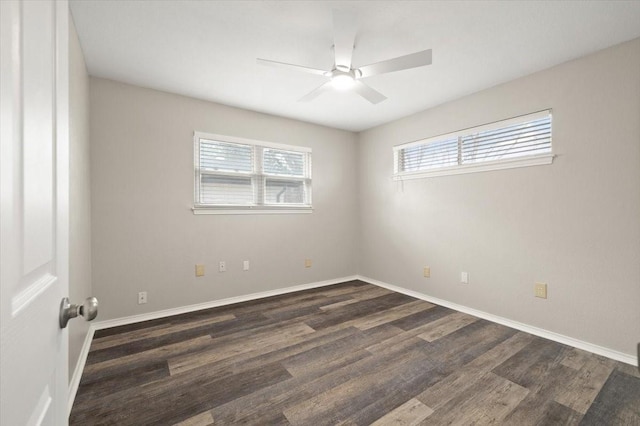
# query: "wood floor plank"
[[486, 402], [411, 333], [357, 297], [389, 392], [357, 311], [446, 325], [202, 419], [420, 319], [327, 407], [543, 412], [631, 370], [337, 305], [105, 332], [617, 403], [336, 351], [539, 407], [410, 413], [264, 405], [392, 314], [97, 385], [292, 349], [347, 354], [531, 366], [575, 358], [160, 403], [580, 392], [183, 363], [159, 330], [443, 358], [292, 299], [254, 359], [305, 307], [222, 328], [129, 362], [539, 367], [463, 378]]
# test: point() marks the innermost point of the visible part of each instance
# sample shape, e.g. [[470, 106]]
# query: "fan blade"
[[326, 87], [290, 66], [413, 60], [368, 93], [344, 37]]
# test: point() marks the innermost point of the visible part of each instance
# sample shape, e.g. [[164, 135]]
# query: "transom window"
[[517, 142], [234, 175]]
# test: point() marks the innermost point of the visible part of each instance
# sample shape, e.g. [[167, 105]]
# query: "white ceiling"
[[208, 49]]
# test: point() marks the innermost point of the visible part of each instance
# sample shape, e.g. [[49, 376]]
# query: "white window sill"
[[252, 210], [478, 167]]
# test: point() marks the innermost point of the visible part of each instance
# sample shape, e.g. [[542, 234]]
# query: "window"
[[517, 142], [234, 175]]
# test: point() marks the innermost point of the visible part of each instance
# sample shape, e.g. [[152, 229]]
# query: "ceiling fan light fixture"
[[341, 80], [343, 76]]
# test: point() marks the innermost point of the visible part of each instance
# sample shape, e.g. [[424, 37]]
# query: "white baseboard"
[[566, 340], [77, 372], [214, 303]]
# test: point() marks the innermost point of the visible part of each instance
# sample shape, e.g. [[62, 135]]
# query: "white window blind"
[[239, 174], [517, 142]]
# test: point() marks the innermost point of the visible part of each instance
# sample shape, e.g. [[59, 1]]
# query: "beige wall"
[[146, 238], [80, 199], [574, 224]]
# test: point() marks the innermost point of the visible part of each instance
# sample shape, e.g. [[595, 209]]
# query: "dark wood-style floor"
[[346, 354]]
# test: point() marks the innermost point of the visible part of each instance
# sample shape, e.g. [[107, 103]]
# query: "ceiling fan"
[[343, 76]]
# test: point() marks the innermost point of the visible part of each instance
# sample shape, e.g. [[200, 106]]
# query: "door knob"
[[88, 310]]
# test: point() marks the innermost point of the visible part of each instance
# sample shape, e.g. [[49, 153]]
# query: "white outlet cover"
[[464, 277]]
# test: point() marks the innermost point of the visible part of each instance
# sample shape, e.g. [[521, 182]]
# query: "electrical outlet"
[[142, 298], [307, 263], [199, 270], [541, 290], [245, 265], [427, 272], [464, 277], [222, 267]]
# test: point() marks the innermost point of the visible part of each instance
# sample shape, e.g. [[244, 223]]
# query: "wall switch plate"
[[222, 267], [541, 290], [307, 263], [142, 298], [199, 270], [464, 277], [426, 272], [245, 265]]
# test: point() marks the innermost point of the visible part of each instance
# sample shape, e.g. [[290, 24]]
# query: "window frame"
[[257, 176], [480, 166]]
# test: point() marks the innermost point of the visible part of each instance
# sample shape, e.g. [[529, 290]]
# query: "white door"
[[34, 183]]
